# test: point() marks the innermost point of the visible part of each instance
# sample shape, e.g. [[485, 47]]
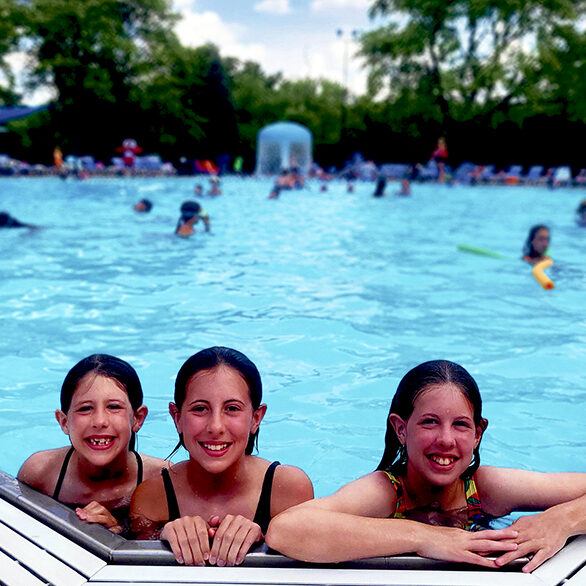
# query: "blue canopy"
[[8, 113]]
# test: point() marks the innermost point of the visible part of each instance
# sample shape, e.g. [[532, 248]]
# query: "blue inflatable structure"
[[283, 145]]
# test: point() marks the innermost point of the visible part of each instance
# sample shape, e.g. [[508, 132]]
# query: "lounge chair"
[[534, 176], [562, 176], [513, 175], [463, 173]]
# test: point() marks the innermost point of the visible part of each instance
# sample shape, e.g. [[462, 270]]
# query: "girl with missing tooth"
[[101, 411]]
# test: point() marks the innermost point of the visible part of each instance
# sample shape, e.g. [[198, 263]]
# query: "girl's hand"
[[538, 535], [471, 547], [97, 513], [189, 540], [232, 538]]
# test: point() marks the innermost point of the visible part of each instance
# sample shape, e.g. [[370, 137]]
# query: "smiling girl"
[[215, 505], [430, 496], [101, 411]]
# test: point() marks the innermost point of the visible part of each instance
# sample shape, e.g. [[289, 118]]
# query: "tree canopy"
[[493, 69]]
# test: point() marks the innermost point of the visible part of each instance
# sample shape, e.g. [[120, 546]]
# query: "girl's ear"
[[139, 417], [176, 415], [62, 419], [480, 429], [257, 416], [400, 427]]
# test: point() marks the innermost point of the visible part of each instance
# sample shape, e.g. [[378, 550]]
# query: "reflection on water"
[[333, 295]]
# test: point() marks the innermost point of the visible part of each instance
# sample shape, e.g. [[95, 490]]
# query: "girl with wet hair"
[[429, 495], [101, 411], [535, 247], [214, 506]]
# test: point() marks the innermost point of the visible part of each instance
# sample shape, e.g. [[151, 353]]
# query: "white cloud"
[[324, 5], [273, 6], [196, 29]]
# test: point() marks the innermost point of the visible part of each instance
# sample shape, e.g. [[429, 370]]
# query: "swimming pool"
[[333, 295]]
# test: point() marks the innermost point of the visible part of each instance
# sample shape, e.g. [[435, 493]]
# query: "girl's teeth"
[[99, 442], [215, 447]]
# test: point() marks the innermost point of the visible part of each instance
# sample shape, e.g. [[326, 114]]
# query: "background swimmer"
[[144, 205], [535, 247], [191, 212], [7, 221]]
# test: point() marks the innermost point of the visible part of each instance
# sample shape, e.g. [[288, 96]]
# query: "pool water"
[[333, 295]]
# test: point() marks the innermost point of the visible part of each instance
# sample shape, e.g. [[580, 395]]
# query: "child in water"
[[191, 212], [430, 496], [535, 247], [215, 505], [101, 411]]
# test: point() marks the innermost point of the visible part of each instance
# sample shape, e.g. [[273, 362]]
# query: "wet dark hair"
[[110, 367], [148, 204], [209, 359], [415, 382], [528, 249], [189, 209]]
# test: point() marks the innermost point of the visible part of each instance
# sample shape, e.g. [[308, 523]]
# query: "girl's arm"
[[353, 523], [562, 497]]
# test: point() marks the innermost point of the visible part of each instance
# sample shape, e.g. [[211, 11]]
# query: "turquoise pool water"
[[333, 295]]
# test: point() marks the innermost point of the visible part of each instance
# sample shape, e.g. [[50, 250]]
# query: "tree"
[[10, 23], [458, 59], [92, 52]]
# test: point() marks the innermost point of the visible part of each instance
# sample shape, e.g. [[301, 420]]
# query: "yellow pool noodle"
[[541, 277]]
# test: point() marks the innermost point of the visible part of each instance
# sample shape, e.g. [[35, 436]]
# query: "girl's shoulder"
[[152, 466], [40, 470]]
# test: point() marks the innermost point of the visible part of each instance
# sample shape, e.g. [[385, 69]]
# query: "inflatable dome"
[[283, 145]]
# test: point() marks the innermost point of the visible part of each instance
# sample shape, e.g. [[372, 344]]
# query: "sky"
[[299, 38]]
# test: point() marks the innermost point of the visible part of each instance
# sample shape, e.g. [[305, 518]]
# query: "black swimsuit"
[[65, 464], [263, 509]]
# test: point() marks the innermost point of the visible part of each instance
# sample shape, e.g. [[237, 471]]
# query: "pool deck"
[[43, 543]]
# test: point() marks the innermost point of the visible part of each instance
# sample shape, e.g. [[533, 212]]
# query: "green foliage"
[[461, 59]]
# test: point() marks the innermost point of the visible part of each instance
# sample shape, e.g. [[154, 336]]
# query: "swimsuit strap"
[[172, 504], [263, 509], [400, 506], [138, 467], [62, 473], [476, 516]]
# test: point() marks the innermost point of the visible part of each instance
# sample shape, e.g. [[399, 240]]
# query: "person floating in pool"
[[284, 182], [7, 221], [381, 183], [535, 247], [405, 187], [215, 505], [191, 212], [198, 190], [429, 495], [214, 186], [144, 205], [101, 412]]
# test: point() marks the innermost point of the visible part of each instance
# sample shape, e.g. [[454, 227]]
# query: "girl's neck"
[[116, 470], [421, 493], [203, 482]]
